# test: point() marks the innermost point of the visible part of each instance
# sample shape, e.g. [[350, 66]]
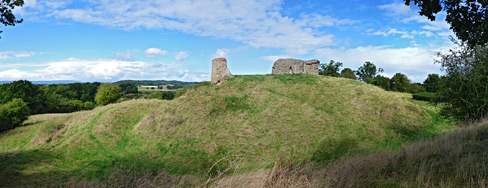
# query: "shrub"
[[463, 89], [107, 93], [13, 114]]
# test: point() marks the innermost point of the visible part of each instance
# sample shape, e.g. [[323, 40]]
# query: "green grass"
[[244, 125]]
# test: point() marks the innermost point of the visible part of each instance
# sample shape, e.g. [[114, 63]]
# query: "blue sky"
[[110, 40]]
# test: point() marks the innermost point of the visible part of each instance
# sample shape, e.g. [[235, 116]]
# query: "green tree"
[[400, 82], [382, 82], [432, 83], [7, 18], [331, 69], [415, 88], [25, 90], [13, 113], [464, 89], [468, 18], [368, 70], [108, 93], [348, 73]]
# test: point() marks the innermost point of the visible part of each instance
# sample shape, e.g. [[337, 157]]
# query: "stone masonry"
[[296, 66], [220, 72]]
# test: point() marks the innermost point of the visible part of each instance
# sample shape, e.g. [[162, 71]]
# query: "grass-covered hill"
[[243, 126]]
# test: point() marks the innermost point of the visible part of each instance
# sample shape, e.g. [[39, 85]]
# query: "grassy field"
[[214, 135]]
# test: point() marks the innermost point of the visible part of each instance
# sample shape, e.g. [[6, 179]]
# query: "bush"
[[13, 114], [463, 90], [108, 93], [426, 96]]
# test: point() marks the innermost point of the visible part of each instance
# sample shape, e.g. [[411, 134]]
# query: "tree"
[[400, 82], [348, 73], [368, 70], [13, 114], [25, 90], [468, 18], [7, 18], [382, 82], [432, 83], [464, 89], [108, 93], [331, 69]]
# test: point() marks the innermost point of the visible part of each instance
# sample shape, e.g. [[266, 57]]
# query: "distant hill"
[[249, 124]]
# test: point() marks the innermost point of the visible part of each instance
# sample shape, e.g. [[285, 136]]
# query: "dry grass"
[[457, 159]]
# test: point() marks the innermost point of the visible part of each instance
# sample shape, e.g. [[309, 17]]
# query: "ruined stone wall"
[[312, 67], [296, 66], [220, 72]]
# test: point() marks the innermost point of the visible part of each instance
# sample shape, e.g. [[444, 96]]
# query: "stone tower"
[[220, 72]]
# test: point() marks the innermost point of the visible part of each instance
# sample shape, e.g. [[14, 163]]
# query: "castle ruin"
[[220, 72], [296, 66]]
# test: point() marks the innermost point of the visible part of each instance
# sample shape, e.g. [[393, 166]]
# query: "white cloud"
[[124, 56], [415, 62], [273, 58], [255, 22], [16, 54], [407, 14], [221, 52], [180, 56], [103, 70], [155, 52], [395, 9]]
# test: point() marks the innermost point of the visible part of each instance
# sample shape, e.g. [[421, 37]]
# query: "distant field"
[[217, 135]]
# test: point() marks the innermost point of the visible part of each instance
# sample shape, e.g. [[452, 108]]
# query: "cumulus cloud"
[[15, 54], [103, 70], [180, 56], [154, 52], [221, 52], [258, 23], [415, 62]]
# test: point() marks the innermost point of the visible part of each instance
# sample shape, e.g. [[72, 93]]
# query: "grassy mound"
[[244, 125]]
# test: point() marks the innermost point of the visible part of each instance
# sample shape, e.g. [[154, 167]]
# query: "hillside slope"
[[248, 124]]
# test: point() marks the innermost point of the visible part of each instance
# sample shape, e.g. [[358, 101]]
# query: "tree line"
[[369, 73]]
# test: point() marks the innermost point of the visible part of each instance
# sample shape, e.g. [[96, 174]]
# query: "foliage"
[[400, 82], [368, 70], [164, 95], [432, 83], [464, 89], [426, 96], [25, 90], [348, 73], [108, 93], [7, 18], [382, 82], [415, 88], [12, 114], [468, 18], [331, 69], [129, 88]]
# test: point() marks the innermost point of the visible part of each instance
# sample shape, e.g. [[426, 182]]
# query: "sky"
[[111, 40]]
